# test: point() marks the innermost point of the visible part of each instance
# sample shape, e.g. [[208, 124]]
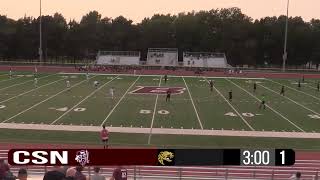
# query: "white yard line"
[[291, 100], [163, 131], [194, 107], [246, 122], [35, 105], [295, 89], [84, 99], [154, 113], [119, 101], [30, 91], [25, 82], [278, 113]]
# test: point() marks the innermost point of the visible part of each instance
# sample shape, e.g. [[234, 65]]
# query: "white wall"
[[217, 62], [118, 60]]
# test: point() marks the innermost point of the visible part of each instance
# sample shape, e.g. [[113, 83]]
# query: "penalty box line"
[[10, 79], [37, 104], [278, 113], [290, 100], [25, 82], [294, 89], [26, 92], [245, 121], [104, 121]]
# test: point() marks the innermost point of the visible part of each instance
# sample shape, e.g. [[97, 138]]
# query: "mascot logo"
[[82, 157], [165, 156]]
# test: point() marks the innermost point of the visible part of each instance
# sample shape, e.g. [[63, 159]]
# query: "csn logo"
[[38, 157]]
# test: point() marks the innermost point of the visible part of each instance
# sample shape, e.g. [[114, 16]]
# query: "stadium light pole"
[[285, 54], [40, 33]]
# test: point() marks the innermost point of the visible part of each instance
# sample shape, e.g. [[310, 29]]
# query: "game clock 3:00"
[[277, 157]]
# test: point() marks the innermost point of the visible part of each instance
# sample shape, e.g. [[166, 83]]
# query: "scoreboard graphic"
[[152, 157]]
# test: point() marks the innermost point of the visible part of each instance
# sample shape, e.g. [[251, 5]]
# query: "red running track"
[[179, 72]]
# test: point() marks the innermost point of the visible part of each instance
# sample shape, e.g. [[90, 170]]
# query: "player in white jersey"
[[35, 71], [96, 84], [10, 73], [87, 75], [35, 82], [68, 84], [111, 91]]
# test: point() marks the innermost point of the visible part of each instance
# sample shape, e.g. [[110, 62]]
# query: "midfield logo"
[[158, 90]]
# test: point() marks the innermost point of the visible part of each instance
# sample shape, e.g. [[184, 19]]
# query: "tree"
[[226, 30]]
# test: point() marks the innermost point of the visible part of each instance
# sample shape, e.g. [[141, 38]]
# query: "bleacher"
[[118, 58], [162, 57], [204, 60]]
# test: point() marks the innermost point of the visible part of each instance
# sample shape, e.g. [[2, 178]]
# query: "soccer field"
[[140, 102]]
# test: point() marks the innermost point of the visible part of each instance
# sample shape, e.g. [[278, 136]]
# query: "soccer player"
[[104, 135], [35, 82], [168, 95], [96, 84], [165, 79], [68, 85], [282, 91], [211, 85], [303, 79], [263, 103], [10, 73], [318, 86], [111, 91], [230, 95], [35, 71], [87, 76], [254, 87], [299, 84]]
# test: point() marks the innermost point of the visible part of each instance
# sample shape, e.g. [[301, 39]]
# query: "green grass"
[[127, 112], [51, 103], [168, 141]]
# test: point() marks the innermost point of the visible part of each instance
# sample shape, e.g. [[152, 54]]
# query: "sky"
[[136, 10]]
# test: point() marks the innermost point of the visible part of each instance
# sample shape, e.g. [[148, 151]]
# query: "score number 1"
[[285, 157]]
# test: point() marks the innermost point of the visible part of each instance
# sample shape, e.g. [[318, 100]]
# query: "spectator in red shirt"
[[104, 134], [119, 174]]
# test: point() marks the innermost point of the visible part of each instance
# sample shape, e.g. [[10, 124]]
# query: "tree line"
[[227, 30]]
